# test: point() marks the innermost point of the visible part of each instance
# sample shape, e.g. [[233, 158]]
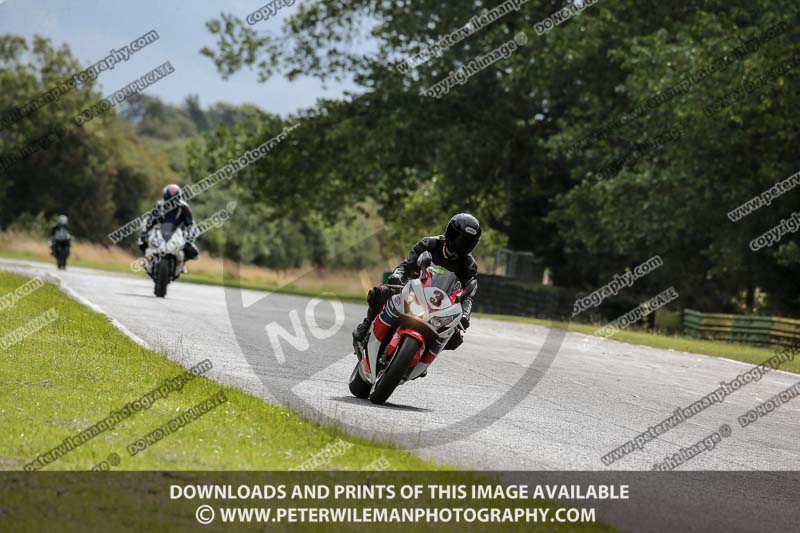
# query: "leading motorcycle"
[[59, 247], [164, 258], [430, 313]]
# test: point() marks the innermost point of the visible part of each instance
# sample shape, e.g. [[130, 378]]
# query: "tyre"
[[390, 377], [358, 386], [61, 257], [162, 277]]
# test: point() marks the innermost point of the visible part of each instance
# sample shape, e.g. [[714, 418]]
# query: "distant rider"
[[60, 234], [172, 209], [452, 251]]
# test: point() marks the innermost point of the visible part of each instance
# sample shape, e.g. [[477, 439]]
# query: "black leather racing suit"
[[64, 242], [465, 268], [181, 217]]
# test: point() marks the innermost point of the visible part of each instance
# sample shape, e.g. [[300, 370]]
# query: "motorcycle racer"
[[60, 240], [60, 230], [175, 210], [451, 250]]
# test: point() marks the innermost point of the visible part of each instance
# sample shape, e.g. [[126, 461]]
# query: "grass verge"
[[346, 286], [74, 371], [739, 352]]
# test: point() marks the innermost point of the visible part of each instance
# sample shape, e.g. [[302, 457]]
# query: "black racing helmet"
[[462, 234]]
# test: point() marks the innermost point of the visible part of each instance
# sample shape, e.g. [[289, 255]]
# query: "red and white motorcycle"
[[430, 312]]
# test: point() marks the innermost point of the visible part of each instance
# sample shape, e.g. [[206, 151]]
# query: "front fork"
[[416, 367]]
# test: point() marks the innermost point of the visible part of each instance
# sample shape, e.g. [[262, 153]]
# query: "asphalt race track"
[[580, 408], [513, 397]]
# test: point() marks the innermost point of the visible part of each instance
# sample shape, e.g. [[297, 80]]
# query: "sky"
[[92, 28]]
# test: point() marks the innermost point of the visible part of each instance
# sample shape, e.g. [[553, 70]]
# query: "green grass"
[[203, 279], [73, 372], [207, 279], [739, 352], [108, 266]]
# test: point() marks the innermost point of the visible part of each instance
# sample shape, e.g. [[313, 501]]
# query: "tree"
[[504, 142], [97, 173]]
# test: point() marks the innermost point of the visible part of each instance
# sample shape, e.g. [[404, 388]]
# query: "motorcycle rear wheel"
[[61, 257], [390, 377]]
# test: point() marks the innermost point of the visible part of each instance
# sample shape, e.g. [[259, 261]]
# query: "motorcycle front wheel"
[[358, 386], [390, 377], [163, 276]]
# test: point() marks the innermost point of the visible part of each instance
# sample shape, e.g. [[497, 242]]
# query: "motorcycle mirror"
[[424, 260]]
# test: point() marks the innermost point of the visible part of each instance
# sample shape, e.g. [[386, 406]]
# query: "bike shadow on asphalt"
[[387, 405], [148, 296]]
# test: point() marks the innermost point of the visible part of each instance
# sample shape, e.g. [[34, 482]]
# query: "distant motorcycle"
[[431, 312], [59, 247], [164, 258]]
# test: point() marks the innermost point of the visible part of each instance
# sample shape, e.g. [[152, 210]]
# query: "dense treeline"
[[100, 170], [627, 131], [534, 142], [112, 169]]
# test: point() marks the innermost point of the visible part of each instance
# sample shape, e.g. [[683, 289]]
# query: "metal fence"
[[762, 330]]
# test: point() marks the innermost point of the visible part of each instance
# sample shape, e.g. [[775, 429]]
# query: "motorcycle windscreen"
[[167, 229], [445, 280]]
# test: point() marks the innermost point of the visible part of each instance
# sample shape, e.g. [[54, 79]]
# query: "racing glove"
[[396, 278], [192, 233]]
